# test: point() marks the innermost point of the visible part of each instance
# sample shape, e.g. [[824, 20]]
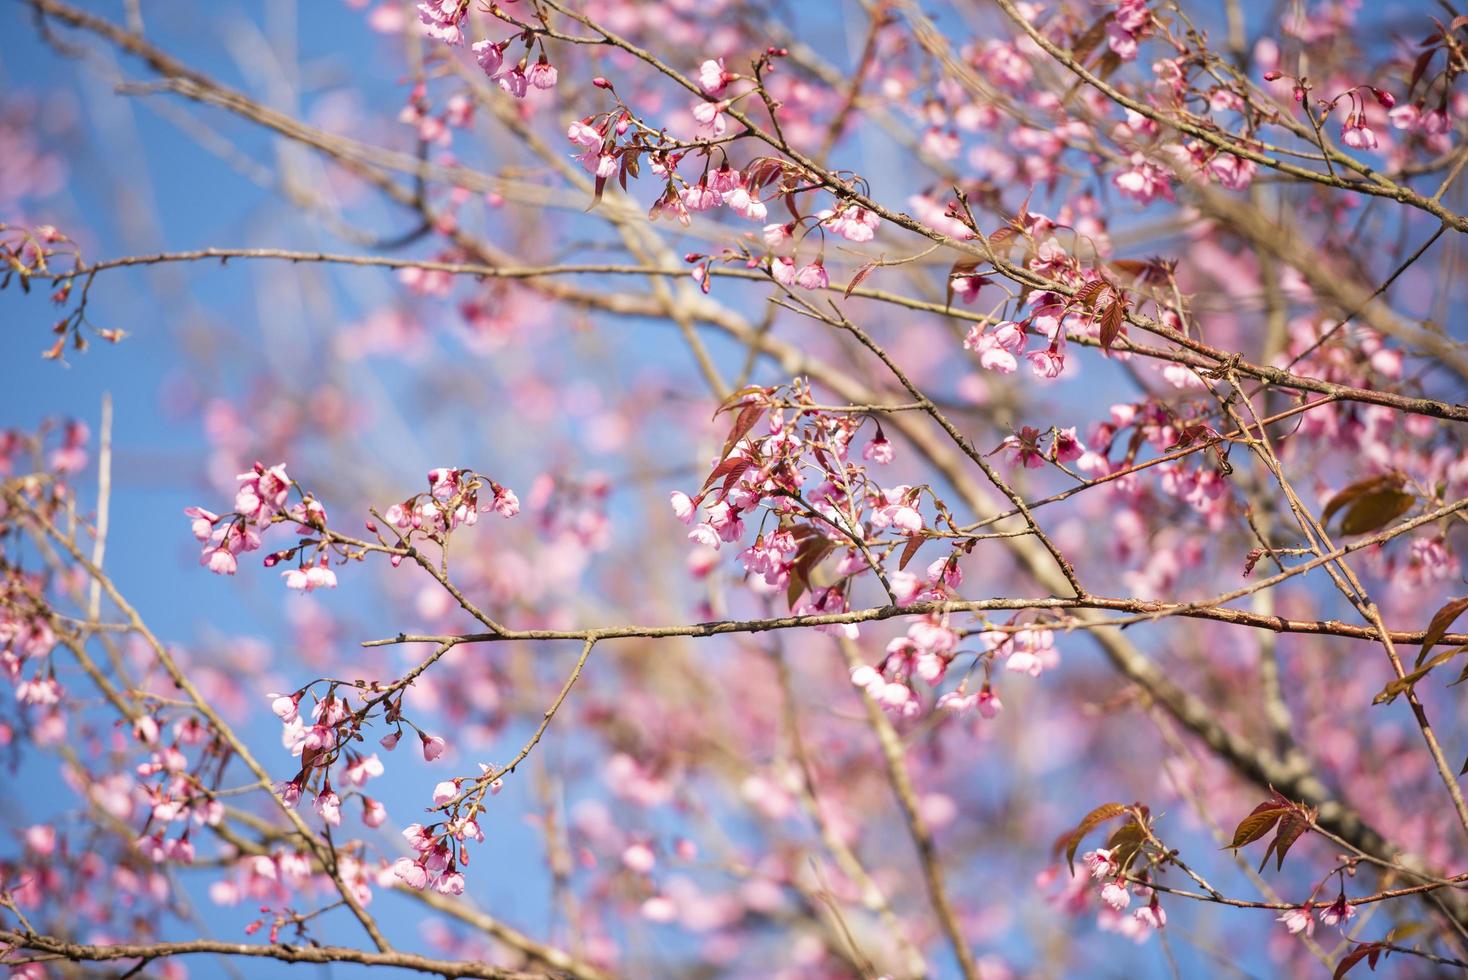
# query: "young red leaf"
[[810, 554], [737, 399], [1438, 628], [1376, 510], [1370, 952], [1111, 321], [1259, 821], [1354, 491], [1126, 843], [745, 421], [1291, 827], [724, 468], [861, 274], [1072, 840], [914, 542]]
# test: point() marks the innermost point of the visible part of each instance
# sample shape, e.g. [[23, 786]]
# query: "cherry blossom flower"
[[711, 76], [490, 57], [1338, 912], [1298, 921], [374, 814], [1116, 895], [542, 75], [1153, 916], [1357, 134], [443, 19]]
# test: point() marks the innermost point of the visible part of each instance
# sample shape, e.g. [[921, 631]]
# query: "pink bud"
[[373, 812]]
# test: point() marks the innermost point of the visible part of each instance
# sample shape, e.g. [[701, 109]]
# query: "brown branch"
[[54, 948], [1376, 184], [894, 755], [322, 851]]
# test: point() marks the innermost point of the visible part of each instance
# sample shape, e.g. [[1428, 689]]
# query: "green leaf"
[[1405, 931]]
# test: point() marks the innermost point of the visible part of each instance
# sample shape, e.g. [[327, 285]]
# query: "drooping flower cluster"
[[452, 501]]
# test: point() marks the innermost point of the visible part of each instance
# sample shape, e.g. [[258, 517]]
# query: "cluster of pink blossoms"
[[452, 501], [1116, 895], [261, 498], [1127, 27], [1337, 913], [1023, 448], [445, 21], [441, 850], [923, 653], [998, 346], [177, 797], [518, 79]]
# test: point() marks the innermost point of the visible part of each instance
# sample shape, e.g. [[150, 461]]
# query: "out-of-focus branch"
[[45, 949]]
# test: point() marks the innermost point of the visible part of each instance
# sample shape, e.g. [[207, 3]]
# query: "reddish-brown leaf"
[[1355, 491], [1419, 67], [1376, 510], [1111, 324], [1125, 843], [735, 472], [1291, 827], [1069, 842], [1002, 236], [914, 542], [745, 421], [1371, 952], [861, 274], [724, 468], [1086, 43], [810, 553], [1438, 628], [1258, 823], [1093, 293], [738, 398]]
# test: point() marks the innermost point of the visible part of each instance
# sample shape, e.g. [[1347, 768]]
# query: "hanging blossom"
[[452, 501], [444, 19], [260, 501], [1128, 26]]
